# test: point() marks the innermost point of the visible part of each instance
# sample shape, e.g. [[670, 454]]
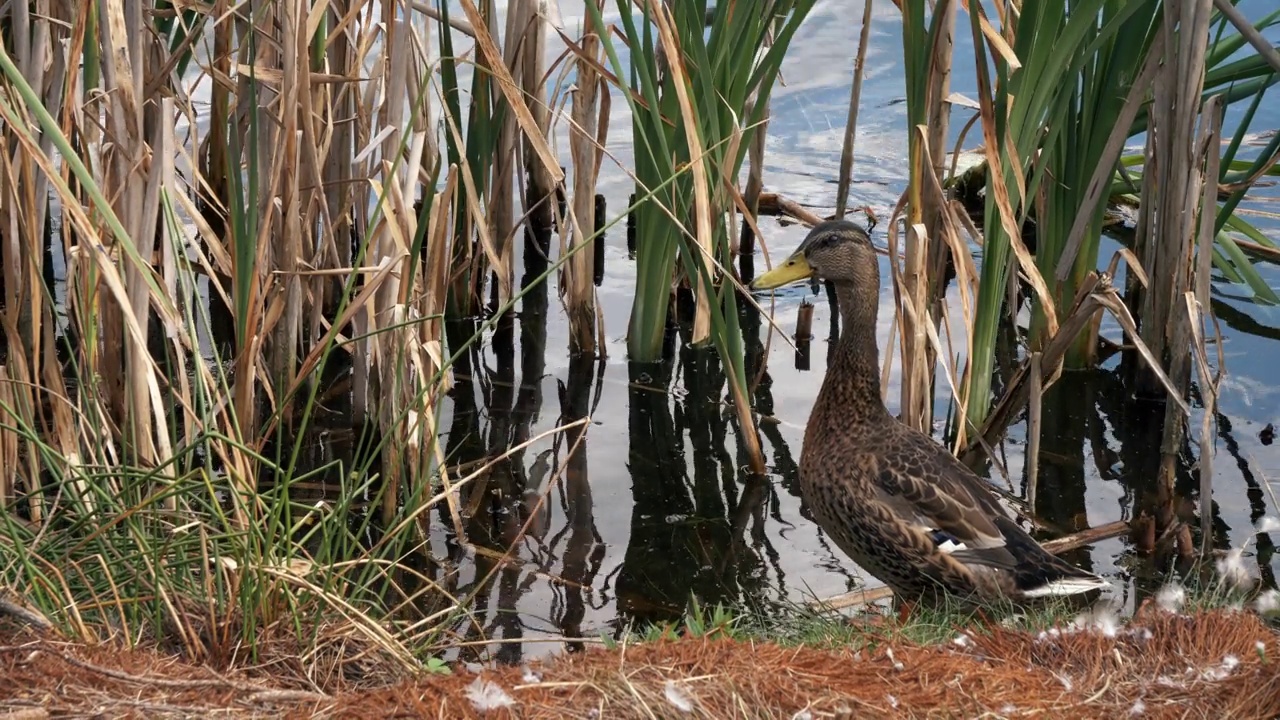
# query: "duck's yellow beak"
[[792, 269]]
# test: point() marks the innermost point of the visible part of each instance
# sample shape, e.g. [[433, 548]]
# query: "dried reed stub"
[[804, 322], [804, 335], [562, 202], [598, 250], [631, 227]]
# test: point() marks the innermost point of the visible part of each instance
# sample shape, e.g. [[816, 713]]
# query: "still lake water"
[[655, 506]]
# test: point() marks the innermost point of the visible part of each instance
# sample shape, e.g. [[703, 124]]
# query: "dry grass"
[[1212, 664]]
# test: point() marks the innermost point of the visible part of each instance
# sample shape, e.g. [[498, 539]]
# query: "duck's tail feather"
[[1066, 586], [1040, 573]]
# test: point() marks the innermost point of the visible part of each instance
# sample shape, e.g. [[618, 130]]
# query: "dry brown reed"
[[532, 29], [930, 232], [335, 132], [845, 178], [323, 204], [590, 122], [1175, 213]]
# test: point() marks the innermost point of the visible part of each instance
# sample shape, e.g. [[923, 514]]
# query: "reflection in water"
[[1137, 424], [533, 366], [1060, 494], [698, 523], [1240, 321], [751, 512], [689, 512], [493, 506], [650, 587], [1257, 502], [464, 446], [508, 512], [584, 547]]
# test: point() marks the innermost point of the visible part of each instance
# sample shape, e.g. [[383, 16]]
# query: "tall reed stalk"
[[531, 26], [589, 125], [1173, 219], [927, 50]]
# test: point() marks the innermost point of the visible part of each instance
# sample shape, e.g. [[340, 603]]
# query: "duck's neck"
[[852, 385]]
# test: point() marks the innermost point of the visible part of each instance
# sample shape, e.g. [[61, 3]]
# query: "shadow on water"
[[1060, 487], [583, 553]]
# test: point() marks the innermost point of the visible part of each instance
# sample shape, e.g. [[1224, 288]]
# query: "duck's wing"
[[928, 488]]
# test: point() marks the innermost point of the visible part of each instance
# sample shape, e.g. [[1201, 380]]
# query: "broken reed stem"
[[500, 203], [579, 273], [1198, 302], [804, 322], [338, 163], [1209, 398], [911, 282], [540, 192], [922, 274], [755, 178], [288, 241], [771, 203], [851, 124], [936, 207]]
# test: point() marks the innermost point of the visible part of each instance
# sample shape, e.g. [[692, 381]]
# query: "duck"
[[899, 504]]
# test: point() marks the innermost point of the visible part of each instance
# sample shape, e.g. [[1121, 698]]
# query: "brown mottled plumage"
[[895, 501]]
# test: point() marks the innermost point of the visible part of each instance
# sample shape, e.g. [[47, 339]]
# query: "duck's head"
[[834, 250]]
